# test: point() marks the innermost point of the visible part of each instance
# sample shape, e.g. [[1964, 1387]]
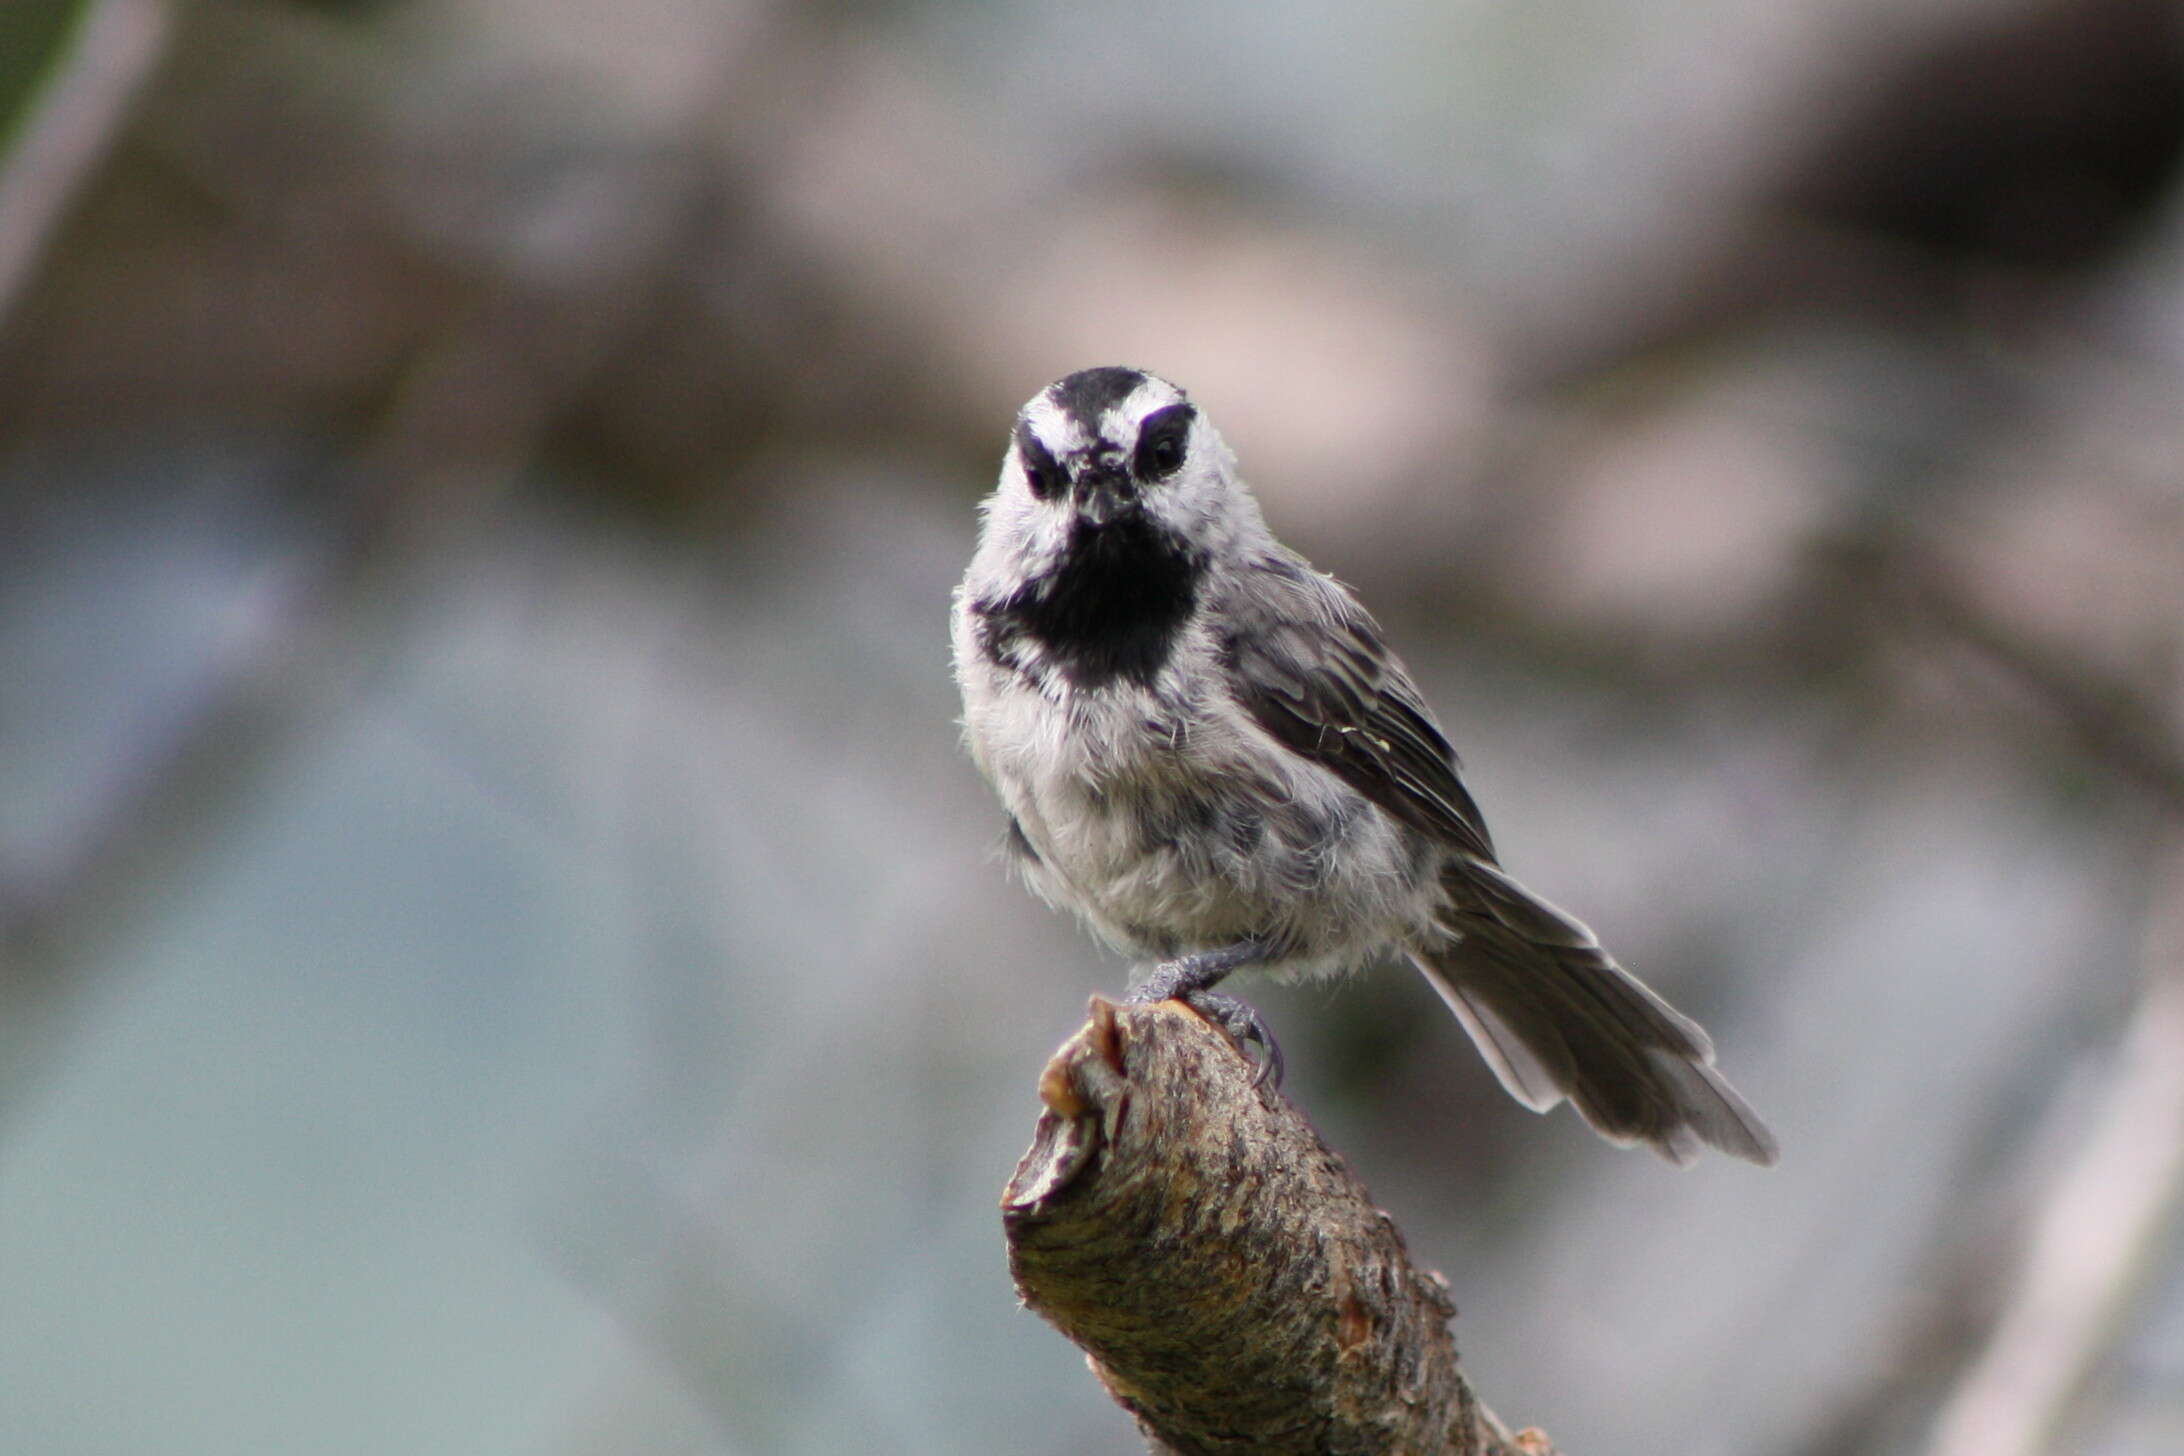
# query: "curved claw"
[[1241, 1020], [1191, 980]]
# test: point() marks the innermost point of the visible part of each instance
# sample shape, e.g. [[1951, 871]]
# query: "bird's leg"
[[1191, 979]]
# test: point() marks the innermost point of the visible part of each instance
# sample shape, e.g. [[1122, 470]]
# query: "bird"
[[1208, 753]]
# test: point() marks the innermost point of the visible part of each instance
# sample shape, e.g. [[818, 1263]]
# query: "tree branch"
[[1228, 1275], [2099, 1235]]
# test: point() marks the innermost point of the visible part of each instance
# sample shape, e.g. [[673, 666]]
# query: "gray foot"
[[1191, 979]]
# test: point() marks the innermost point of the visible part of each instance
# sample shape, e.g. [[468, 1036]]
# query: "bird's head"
[[1115, 450]]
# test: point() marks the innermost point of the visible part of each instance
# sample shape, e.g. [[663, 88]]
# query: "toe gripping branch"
[[1191, 979]]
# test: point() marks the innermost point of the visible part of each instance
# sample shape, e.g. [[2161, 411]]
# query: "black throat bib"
[[1111, 610]]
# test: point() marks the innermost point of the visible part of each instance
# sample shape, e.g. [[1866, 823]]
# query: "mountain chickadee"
[[1209, 754]]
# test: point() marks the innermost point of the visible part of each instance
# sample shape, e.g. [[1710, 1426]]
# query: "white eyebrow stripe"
[[1054, 426], [1120, 423]]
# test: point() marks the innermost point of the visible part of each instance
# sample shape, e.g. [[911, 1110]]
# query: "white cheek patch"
[[1035, 531]]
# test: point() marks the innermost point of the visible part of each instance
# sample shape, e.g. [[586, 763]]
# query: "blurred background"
[[500, 951]]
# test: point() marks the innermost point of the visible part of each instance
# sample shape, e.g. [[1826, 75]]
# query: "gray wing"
[[1554, 1014], [1310, 666]]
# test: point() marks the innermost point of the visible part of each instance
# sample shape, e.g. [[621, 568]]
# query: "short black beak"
[[1104, 494]]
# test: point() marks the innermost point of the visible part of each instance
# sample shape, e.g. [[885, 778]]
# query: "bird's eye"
[[1041, 469], [1163, 441]]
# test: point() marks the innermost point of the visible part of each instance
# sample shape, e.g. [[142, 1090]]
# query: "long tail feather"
[[1557, 1018]]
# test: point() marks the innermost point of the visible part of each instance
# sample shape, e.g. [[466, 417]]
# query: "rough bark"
[[1230, 1279]]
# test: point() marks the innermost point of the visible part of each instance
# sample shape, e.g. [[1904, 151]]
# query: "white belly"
[[1173, 826]]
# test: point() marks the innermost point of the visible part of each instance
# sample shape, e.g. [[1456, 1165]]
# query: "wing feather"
[[1312, 669]]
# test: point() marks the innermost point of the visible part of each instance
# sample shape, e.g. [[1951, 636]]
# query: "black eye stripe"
[[1163, 440], [1041, 469]]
